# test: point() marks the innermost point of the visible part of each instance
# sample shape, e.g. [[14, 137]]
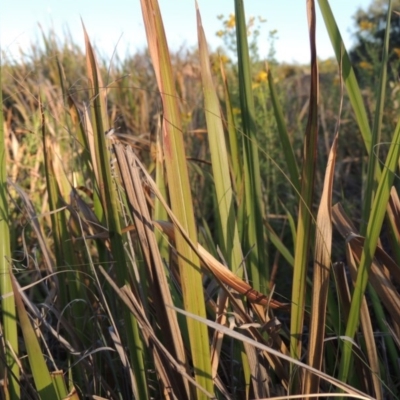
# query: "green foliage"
[[370, 28]]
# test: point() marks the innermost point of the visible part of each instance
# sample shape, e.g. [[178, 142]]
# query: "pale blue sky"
[[118, 23]]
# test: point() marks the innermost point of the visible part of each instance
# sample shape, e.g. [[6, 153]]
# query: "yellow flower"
[[261, 77], [366, 25], [230, 24], [365, 65], [236, 111], [397, 51], [224, 59]]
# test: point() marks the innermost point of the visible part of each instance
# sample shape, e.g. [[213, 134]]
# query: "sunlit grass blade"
[[394, 217], [229, 242], [61, 388], [179, 192], [111, 211], [254, 235], [305, 218], [322, 266], [78, 119], [280, 245], [161, 214], [9, 317], [159, 211], [348, 74], [229, 235]]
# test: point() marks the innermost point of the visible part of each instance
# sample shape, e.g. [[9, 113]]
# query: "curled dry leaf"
[[221, 272]]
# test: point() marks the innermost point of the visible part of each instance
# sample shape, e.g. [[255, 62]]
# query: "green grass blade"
[[280, 245], [229, 235], [236, 161], [349, 77], [60, 386], [69, 281], [375, 222], [254, 229], [304, 225], [159, 211], [9, 317], [59, 223], [179, 193], [373, 166], [41, 375], [287, 147]]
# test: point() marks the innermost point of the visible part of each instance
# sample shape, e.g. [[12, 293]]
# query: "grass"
[[192, 229]]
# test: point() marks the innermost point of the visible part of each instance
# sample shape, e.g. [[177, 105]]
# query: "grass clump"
[[181, 226]]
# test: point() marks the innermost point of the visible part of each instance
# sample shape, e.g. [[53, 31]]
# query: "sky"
[[117, 25]]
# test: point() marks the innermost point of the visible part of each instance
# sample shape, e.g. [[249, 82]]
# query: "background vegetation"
[[194, 225]]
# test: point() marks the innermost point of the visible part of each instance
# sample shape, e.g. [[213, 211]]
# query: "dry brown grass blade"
[[216, 344], [322, 266], [129, 173], [393, 211], [88, 129]]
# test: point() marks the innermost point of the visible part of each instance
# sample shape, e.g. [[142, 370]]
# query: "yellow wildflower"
[[261, 77], [365, 65], [230, 23], [366, 25], [224, 59], [397, 51], [236, 110]]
